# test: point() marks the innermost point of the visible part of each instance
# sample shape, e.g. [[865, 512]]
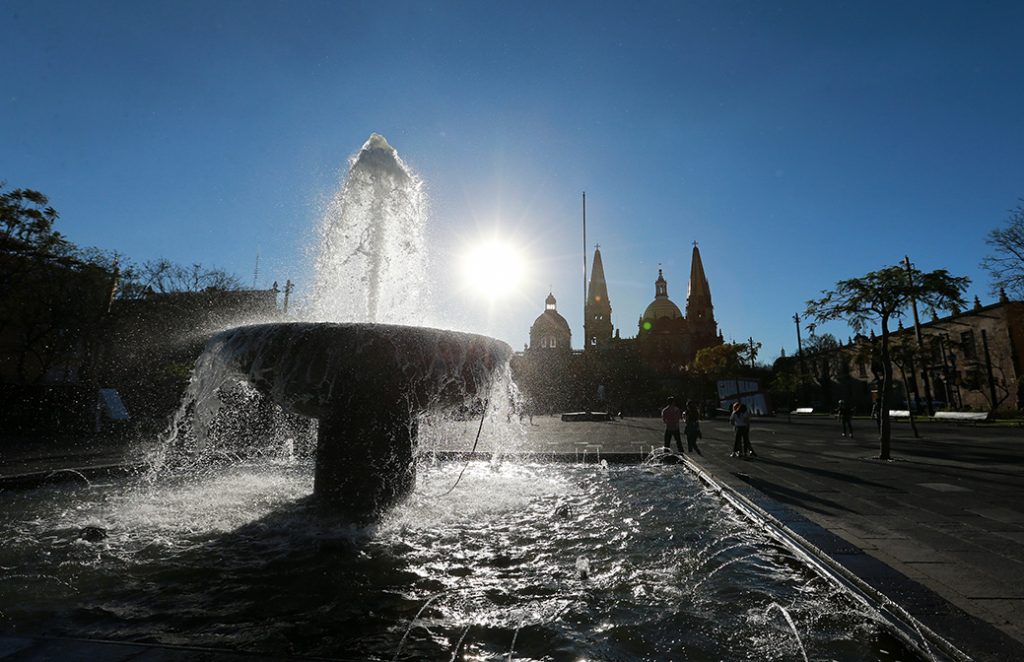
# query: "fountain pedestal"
[[367, 384], [364, 457]]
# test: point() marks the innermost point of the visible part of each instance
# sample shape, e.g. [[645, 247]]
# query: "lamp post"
[[799, 350], [920, 345]]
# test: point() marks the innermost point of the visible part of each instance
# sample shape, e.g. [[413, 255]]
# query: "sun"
[[493, 268]]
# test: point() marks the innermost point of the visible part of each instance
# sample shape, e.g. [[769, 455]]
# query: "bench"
[[899, 413], [961, 416], [804, 410], [576, 416]]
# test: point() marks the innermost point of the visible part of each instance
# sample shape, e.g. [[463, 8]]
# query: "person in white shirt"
[[740, 420]]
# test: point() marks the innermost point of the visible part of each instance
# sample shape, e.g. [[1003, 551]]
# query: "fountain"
[[366, 384], [218, 549]]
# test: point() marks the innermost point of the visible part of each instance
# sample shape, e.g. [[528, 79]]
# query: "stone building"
[[667, 339], [609, 366], [970, 360], [550, 332]]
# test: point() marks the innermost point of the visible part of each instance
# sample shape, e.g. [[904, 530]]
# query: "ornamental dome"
[[662, 306], [552, 322], [550, 330]]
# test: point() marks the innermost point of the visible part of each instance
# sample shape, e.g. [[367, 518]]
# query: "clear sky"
[[799, 142]]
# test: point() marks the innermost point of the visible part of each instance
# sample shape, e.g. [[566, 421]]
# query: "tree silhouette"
[[881, 296], [1006, 264]]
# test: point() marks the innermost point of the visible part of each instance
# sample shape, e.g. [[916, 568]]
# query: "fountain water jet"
[[365, 382], [372, 257]]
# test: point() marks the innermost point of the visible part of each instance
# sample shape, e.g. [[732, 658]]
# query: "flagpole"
[[584, 270]]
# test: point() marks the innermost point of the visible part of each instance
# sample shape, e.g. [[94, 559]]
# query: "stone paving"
[[939, 530]]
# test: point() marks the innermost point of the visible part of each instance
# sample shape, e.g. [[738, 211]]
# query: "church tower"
[[599, 309], [699, 312]]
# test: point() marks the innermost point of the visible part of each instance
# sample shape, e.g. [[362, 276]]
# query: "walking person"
[[740, 420], [670, 416], [692, 427], [876, 414], [845, 418]]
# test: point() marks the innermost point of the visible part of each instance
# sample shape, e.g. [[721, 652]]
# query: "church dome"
[[662, 306], [550, 330], [551, 321]]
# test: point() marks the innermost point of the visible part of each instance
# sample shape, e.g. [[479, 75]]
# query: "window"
[[969, 348]]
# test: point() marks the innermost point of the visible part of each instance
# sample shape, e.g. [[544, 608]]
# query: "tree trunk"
[[910, 409], [884, 436]]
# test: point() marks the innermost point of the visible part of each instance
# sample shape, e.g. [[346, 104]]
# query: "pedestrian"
[[740, 420], [876, 413], [670, 416], [845, 418], [692, 427]]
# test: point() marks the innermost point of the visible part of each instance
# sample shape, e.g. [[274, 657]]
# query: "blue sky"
[[799, 143]]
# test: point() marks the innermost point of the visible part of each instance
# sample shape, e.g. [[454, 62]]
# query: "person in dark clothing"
[[670, 416], [876, 414], [845, 418], [692, 427]]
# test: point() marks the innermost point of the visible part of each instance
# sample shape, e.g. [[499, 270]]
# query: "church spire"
[[597, 292], [599, 309], [698, 295]]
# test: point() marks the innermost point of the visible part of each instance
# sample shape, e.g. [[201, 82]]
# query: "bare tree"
[[164, 277], [1006, 264]]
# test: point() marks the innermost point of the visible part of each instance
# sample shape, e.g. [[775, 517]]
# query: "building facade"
[[610, 369], [967, 361]]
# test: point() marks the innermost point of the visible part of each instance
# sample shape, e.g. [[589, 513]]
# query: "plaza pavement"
[[939, 530]]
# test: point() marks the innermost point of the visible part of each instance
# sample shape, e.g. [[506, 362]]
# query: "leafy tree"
[[881, 296], [1006, 264], [751, 349], [825, 363], [52, 293], [719, 362], [786, 381], [26, 222]]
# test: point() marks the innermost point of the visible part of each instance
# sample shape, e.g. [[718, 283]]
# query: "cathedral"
[[666, 340]]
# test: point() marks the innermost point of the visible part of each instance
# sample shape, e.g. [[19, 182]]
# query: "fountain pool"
[[222, 544], [522, 561]]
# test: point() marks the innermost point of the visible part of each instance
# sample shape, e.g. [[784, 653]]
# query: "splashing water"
[[241, 561], [792, 625], [372, 259]]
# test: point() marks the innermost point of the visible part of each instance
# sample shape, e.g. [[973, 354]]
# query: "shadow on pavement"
[[825, 473], [796, 497]]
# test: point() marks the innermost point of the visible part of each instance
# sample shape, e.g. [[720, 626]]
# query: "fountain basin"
[[239, 560], [366, 384]]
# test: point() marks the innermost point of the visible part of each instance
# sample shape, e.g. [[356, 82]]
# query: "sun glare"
[[493, 268]]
